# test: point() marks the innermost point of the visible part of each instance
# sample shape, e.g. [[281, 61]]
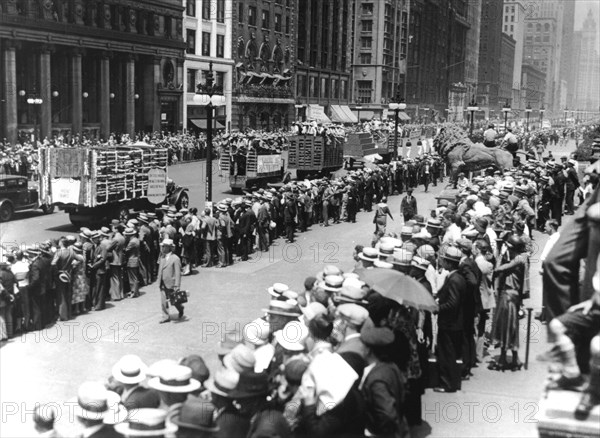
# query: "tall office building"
[[490, 52], [543, 46], [207, 25], [513, 24], [324, 48], [379, 54], [587, 67], [566, 60], [507, 63]]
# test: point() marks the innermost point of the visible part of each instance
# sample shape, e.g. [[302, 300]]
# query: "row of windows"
[[324, 88], [265, 19], [190, 10], [512, 18], [190, 40], [193, 79]]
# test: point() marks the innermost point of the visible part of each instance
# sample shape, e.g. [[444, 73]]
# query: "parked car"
[[16, 195]]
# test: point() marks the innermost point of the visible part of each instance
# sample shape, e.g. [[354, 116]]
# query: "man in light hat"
[[572, 184], [174, 383], [97, 410], [450, 322], [195, 418], [408, 206], [99, 268], [116, 262], [62, 265], [224, 234], [130, 372], [147, 422], [169, 278], [132, 261], [351, 318]]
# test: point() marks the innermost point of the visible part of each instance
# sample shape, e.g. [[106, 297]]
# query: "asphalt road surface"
[[48, 366]]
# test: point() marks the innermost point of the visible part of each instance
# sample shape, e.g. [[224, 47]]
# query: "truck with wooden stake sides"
[[96, 184]]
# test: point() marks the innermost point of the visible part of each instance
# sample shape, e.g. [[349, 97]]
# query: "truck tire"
[[48, 209], [183, 201], [6, 212]]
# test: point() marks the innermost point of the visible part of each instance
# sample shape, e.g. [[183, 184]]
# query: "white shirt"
[[20, 270], [453, 233], [549, 244]]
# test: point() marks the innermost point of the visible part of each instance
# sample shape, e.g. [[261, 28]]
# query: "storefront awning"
[[338, 115], [201, 123], [349, 114], [317, 113], [403, 116]]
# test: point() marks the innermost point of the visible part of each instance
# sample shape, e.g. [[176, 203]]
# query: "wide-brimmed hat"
[[95, 402], [292, 336], [452, 253], [386, 249], [224, 381], [332, 283], [86, 234], [420, 263], [283, 308], [129, 232], [167, 242], [402, 257], [353, 313], [104, 231], [434, 223], [196, 414], [227, 344], [312, 310], [352, 291], [240, 359], [222, 207], [382, 264], [177, 379], [369, 254], [129, 370], [257, 332], [328, 270], [277, 289], [147, 422], [406, 230], [251, 385]]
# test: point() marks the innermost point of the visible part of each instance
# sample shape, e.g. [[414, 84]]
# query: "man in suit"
[[39, 273], [62, 264], [99, 267], [132, 260], [263, 220], [145, 239], [450, 321], [224, 233], [127, 377], [116, 264], [246, 226], [289, 217], [209, 231], [88, 408], [351, 318], [169, 278], [408, 206]]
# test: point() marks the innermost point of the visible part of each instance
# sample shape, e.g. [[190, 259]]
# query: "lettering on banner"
[[65, 190], [268, 163], [157, 186]]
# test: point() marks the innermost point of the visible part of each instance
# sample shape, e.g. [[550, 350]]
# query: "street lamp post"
[[472, 108], [506, 109], [397, 106], [207, 93], [527, 113], [566, 112], [542, 109], [358, 107], [37, 102], [576, 121]]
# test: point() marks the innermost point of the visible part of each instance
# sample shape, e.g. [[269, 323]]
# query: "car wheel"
[[47, 209], [6, 212], [184, 201]]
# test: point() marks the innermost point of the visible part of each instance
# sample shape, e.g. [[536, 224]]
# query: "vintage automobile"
[[17, 195]]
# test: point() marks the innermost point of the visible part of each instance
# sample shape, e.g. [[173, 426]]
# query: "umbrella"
[[399, 287]]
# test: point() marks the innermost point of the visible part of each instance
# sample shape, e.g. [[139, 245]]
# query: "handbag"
[[178, 297]]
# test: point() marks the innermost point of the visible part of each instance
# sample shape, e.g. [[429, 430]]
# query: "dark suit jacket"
[[169, 272], [118, 247], [39, 276], [107, 431], [102, 253], [451, 302], [141, 397], [383, 392], [247, 222], [209, 227]]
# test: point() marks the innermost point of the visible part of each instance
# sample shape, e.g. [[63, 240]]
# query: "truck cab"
[[17, 195]]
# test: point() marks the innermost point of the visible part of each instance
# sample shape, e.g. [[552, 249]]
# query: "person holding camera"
[[169, 278]]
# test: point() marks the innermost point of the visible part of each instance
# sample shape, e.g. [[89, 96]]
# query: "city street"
[[48, 366]]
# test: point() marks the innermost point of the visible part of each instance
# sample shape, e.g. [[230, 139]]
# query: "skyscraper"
[[514, 25], [587, 67], [489, 57], [566, 60]]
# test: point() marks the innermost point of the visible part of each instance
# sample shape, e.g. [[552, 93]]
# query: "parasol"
[[399, 287]]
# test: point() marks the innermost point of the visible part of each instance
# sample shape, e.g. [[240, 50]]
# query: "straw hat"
[[176, 379], [129, 370], [147, 422]]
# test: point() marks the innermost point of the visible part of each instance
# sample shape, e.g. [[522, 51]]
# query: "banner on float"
[[268, 163]]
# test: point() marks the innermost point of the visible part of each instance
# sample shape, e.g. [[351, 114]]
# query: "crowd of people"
[[341, 356]]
